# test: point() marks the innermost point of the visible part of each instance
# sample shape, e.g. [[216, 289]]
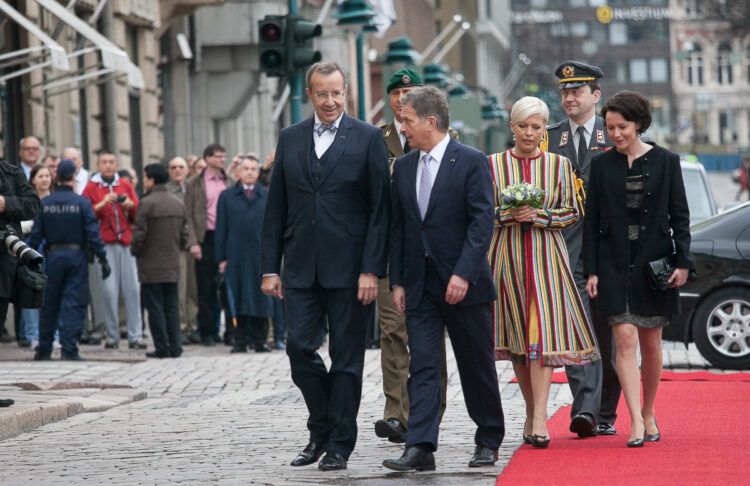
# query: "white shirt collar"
[[588, 126], [438, 150], [245, 187], [338, 120]]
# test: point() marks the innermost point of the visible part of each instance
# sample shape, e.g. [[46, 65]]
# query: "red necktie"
[[249, 193]]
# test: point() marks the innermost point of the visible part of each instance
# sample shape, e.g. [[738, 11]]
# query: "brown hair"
[[633, 106]]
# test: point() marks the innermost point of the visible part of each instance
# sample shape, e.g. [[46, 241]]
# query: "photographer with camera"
[[115, 203], [69, 229], [18, 202]]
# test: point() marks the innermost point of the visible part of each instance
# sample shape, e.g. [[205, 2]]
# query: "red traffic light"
[[270, 32]]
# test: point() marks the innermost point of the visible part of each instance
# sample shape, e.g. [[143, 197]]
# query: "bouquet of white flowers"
[[521, 194]]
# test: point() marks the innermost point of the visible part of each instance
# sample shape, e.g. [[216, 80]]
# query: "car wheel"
[[721, 328]]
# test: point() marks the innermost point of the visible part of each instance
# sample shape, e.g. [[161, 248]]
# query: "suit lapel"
[[446, 166], [305, 148], [343, 137], [411, 162]]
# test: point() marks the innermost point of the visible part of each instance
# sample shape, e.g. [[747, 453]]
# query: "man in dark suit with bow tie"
[[441, 226], [327, 214]]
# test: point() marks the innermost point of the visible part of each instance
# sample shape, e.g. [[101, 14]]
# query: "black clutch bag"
[[660, 270]]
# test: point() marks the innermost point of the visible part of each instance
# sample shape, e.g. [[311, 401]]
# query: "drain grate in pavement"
[[283, 398]]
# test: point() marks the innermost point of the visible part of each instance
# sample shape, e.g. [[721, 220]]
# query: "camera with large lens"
[[16, 247]]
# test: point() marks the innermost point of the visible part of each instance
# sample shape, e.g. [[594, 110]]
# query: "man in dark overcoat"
[[239, 219]]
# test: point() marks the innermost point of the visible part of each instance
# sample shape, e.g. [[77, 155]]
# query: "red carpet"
[[705, 441], [559, 376]]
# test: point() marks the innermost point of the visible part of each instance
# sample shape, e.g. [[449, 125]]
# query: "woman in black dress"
[[636, 212]]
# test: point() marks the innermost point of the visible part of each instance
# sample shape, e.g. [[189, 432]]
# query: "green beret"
[[403, 79]]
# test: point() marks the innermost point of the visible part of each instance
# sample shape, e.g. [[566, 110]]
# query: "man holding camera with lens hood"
[[69, 230], [115, 203], [18, 202]]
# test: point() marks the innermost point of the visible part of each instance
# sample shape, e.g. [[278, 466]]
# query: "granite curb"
[[42, 403]]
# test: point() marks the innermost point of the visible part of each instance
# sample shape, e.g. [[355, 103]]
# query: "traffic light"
[[272, 44], [299, 52]]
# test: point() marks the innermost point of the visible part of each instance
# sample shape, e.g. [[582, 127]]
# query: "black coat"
[[456, 230], [606, 244], [21, 203], [333, 229]]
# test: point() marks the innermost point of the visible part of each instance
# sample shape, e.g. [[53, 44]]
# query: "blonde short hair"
[[526, 107]]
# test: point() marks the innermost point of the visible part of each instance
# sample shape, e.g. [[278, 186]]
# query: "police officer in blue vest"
[[69, 230]]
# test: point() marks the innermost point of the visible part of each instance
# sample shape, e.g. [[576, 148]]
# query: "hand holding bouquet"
[[521, 194]]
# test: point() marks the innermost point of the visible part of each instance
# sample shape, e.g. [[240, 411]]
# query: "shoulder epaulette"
[[555, 125]]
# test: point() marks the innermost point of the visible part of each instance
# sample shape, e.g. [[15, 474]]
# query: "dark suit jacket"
[[337, 228], [606, 245], [237, 240], [563, 145], [456, 230]]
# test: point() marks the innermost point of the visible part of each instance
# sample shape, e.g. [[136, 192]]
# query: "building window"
[[692, 8], [618, 34], [658, 70], [724, 64], [577, 3], [579, 29], [639, 70], [694, 64]]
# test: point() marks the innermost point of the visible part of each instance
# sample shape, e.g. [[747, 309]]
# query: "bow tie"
[[320, 128]]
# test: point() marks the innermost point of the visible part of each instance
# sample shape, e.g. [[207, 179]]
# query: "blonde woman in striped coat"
[[539, 318]]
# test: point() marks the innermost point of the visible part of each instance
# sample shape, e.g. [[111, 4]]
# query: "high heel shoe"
[[636, 442], [653, 437], [526, 437], [540, 441]]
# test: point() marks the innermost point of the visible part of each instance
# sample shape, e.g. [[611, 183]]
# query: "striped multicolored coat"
[[531, 268]]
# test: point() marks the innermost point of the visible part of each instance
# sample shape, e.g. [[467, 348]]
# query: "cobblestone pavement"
[[212, 417]]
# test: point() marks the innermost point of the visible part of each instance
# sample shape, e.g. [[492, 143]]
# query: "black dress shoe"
[[262, 348], [653, 437], [332, 461], [6, 402], [41, 357], [391, 429], [194, 338], [583, 424], [310, 454], [72, 357], [154, 354], [605, 429], [483, 456], [208, 341], [413, 459], [237, 349], [217, 338]]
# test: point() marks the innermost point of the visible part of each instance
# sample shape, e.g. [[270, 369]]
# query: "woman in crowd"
[[636, 212], [40, 179], [540, 322]]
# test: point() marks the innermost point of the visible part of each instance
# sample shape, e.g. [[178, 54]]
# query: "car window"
[[743, 209], [697, 194]]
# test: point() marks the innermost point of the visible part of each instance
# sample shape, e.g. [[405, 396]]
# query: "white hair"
[[526, 107]]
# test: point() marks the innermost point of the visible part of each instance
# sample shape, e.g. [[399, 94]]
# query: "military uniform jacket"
[[392, 142], [559, 140]]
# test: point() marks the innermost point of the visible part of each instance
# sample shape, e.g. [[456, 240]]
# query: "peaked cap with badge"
[[573, 74]]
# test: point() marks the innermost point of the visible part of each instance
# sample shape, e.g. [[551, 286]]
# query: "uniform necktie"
[[425, 185], [582, 148], [320, 128], [407, 149]]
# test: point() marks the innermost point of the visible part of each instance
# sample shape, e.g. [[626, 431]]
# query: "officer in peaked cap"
[[580, 137]]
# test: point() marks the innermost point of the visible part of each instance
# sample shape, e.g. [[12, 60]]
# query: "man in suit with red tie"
[[441, 226], [327, 214]]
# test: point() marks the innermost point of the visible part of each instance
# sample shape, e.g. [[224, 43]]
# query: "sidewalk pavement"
[[214, 417]]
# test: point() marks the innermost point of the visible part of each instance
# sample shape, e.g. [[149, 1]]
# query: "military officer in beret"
[[394, 355], [581, 136]]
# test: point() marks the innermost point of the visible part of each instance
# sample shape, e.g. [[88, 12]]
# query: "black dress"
[[634, 202]]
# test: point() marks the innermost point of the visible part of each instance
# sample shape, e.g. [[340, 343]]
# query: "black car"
[[716, 306]]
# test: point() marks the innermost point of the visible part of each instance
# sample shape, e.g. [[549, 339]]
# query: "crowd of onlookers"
[[141, 259]]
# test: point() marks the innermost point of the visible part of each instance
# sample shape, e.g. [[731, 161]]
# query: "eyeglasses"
[[29, 148], [323, 96]]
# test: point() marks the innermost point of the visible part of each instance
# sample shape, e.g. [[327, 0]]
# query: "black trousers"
[[161, 301], [251, 331], [470, 331], [207, 279], [332, 396]]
